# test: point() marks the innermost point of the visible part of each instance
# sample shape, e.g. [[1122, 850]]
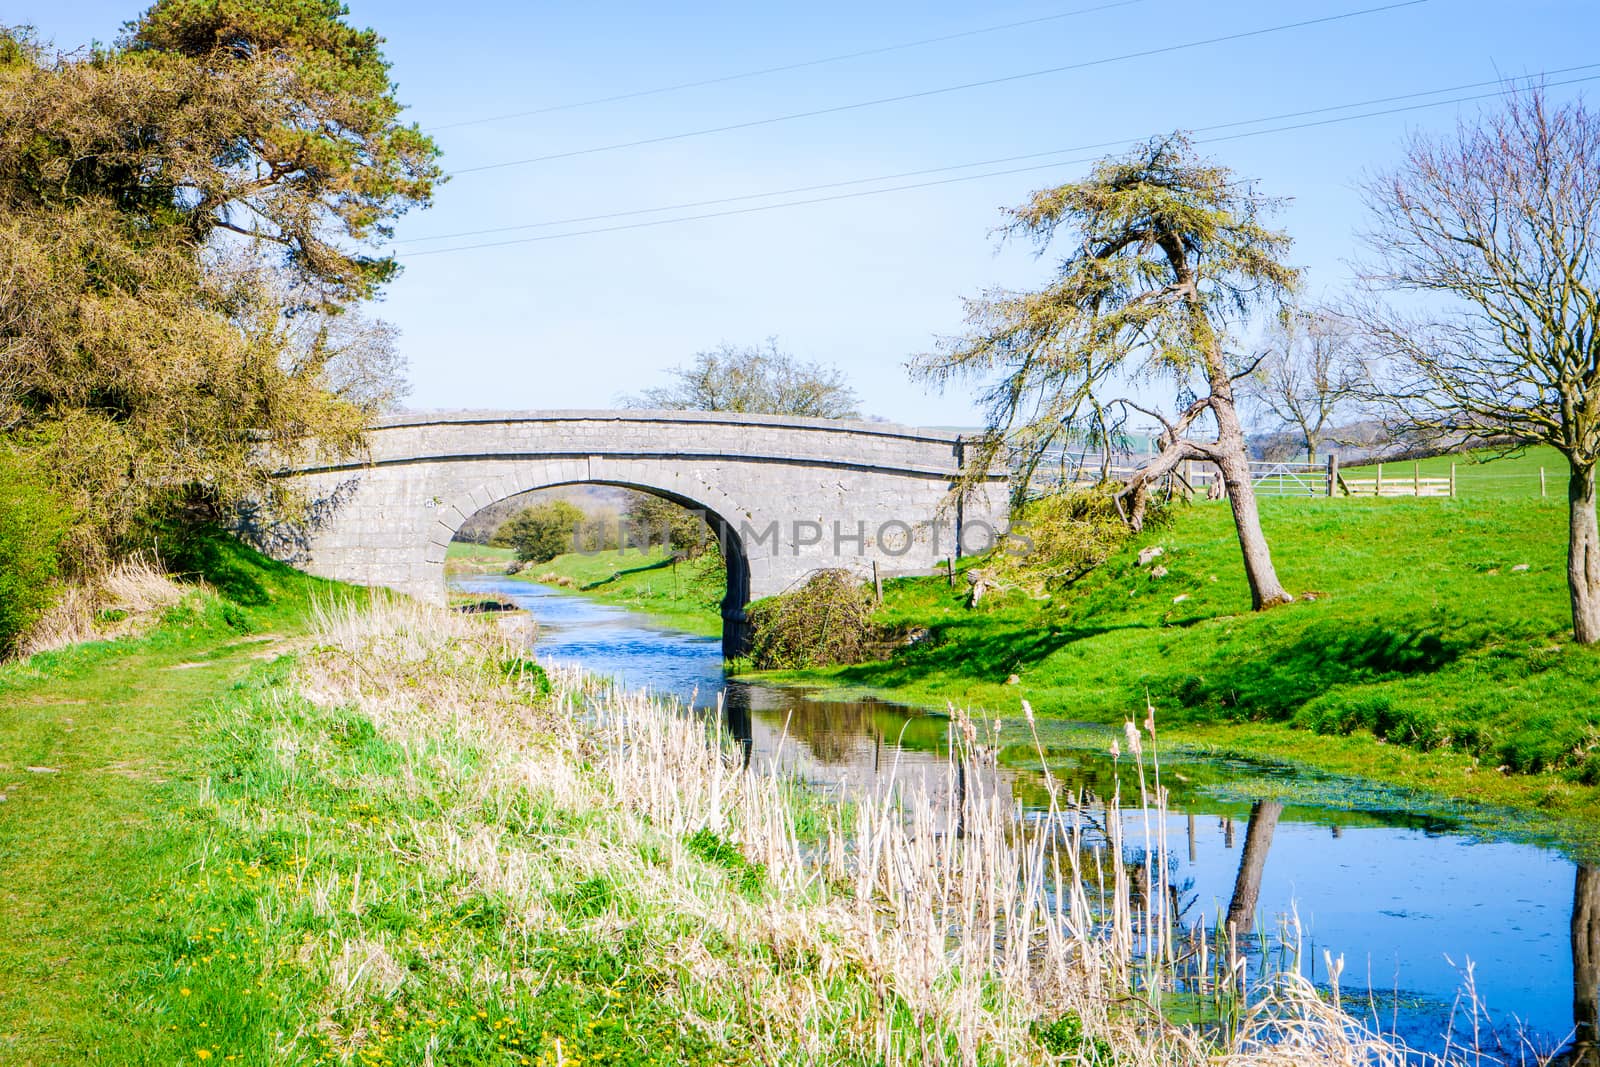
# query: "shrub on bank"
[[827, 621], [541, 533], [33, 522], [1062, 536]]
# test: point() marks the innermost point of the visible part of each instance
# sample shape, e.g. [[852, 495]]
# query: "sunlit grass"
[[1484, 475], [684, 594], [1439, 625], [402, 843]]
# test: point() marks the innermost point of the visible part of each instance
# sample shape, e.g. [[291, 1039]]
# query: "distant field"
[[1484, 475], [688, 595], [466, 551], [463, 557]]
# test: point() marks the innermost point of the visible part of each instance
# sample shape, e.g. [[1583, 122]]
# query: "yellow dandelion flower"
[[202, 1054]]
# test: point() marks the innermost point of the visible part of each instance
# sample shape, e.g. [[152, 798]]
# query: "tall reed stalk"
[[916, 923]]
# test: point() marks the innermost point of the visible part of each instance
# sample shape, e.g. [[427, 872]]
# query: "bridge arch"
[[707, 501], [793, 495]]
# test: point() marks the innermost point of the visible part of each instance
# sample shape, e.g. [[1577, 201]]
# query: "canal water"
[[1422, 902]]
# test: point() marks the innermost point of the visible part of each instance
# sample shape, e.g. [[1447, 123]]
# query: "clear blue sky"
[[862, 283]]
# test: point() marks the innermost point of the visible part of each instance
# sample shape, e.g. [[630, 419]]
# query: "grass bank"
[[464, 557], [273, 832], [683, 594], [1430, 646]]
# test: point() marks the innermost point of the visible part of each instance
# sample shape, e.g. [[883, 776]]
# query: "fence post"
[[1541, 483], [1416, 479], [950, 570], [877, 583], [1377, 487], [1452, 481], [1333, 473]]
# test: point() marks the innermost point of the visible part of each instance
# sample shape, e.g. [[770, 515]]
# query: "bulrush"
[[902, 925]]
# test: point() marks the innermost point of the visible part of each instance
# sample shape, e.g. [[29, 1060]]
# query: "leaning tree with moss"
[[1168, 255], [1490, 239]]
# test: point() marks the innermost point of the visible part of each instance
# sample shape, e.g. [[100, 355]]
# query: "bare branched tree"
[[1167, 254], [358, 357], [1482, 299], [1307, 379], [758, 379]]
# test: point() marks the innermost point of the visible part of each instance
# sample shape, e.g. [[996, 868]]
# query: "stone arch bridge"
[[786, 496]]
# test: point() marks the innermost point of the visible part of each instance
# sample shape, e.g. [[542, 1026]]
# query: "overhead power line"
[[943, 90], [796, 190], [973, 177], [782, 68]]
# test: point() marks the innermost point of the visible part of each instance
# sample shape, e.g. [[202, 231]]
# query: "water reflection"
[[1252, 862], [1585, 1048], [1407, 897]]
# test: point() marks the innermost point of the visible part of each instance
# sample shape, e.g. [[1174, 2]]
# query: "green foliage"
[[325, 128], [588, 899], [599, 532], [1167, 252], [652, 520], [542, 532], [827, 621], [524, 670], [157, 363], [33, 523], [706, 844], [759, 379], [1058, 538], [1064, 1038]]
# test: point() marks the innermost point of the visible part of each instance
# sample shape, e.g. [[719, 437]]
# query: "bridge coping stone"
[[458, 417]]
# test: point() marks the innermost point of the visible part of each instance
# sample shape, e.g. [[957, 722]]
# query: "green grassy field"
[[463, 557], [1418, 631], [100, 767], [686, 595], [1485, 475]]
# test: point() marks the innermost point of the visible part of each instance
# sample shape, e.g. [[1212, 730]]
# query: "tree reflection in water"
[[1584, 1051], [1252, 862]]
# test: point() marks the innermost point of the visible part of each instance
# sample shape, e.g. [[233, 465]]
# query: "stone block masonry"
[[788, 495]]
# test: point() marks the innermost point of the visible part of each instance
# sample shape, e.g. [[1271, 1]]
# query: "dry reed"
[[128, 598], [912, 927]]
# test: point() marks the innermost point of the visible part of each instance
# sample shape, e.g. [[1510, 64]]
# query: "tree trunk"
[[1583, 555], [1234, 464], [1252, 862], [1585, 1047]]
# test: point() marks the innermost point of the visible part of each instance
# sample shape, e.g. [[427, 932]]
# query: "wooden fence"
[[1063, 469], [1401, 484]]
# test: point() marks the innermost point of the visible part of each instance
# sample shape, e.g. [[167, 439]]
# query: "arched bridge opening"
[[721, 532]]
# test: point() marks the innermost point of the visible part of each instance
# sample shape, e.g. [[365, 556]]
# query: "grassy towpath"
[[202, 859], [97, 762]]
